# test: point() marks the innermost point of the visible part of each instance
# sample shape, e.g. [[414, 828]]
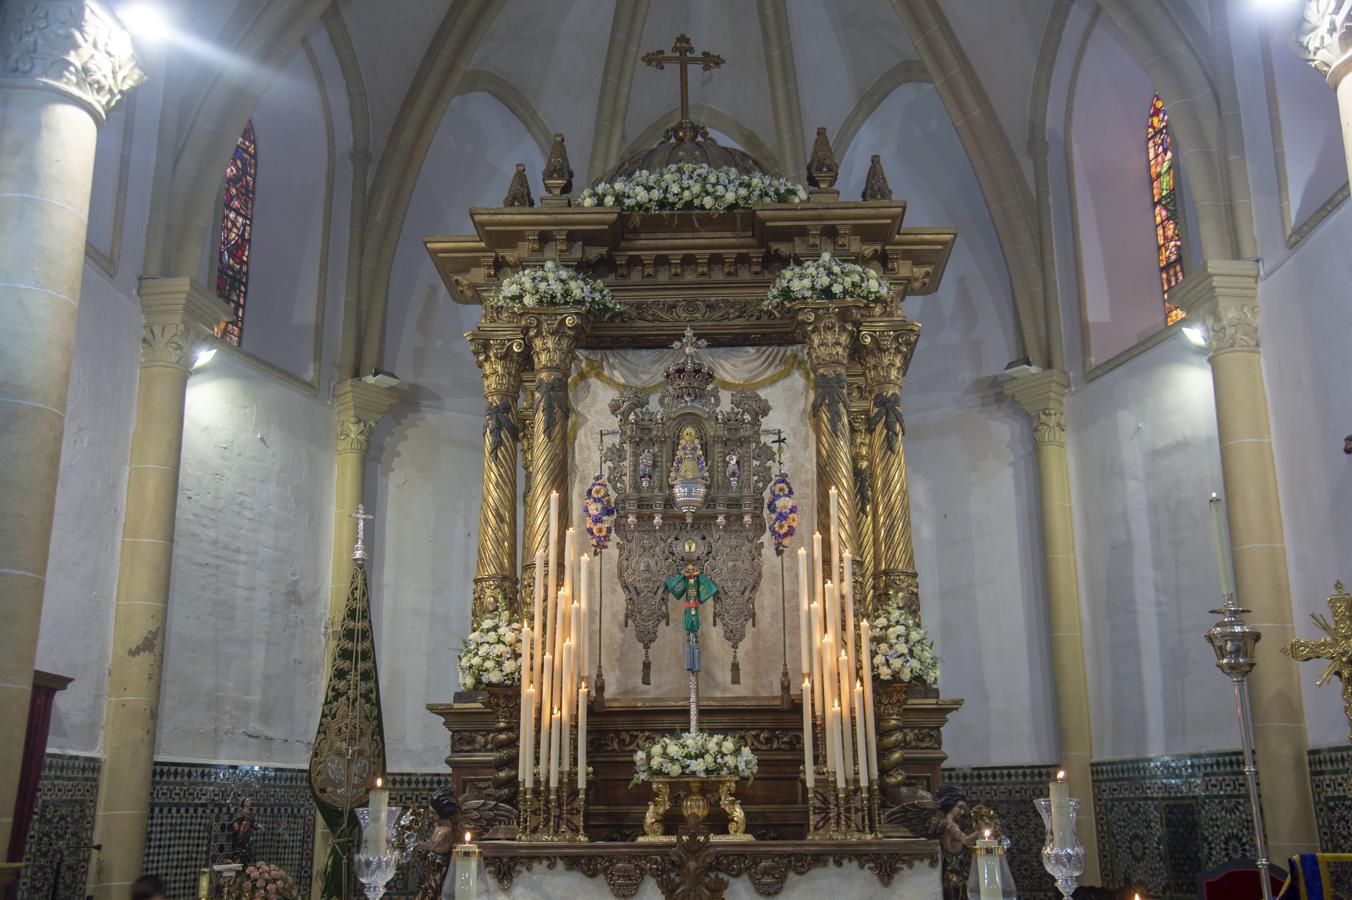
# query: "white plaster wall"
[[249, 594], [969, 454], [1312, 141], [1121, 288], [424, 482], [91, 493]]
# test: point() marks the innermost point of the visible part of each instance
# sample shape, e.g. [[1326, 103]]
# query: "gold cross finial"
[[1336, 648], [683, 56]]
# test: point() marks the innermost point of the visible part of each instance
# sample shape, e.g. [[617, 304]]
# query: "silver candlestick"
[[1233, 640]]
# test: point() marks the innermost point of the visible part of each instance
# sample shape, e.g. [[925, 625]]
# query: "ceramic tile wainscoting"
[[1161, 820]]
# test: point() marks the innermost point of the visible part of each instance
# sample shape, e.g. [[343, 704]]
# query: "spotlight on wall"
[[381, 378], [1194, 334], [1267, 5], [144, 20], [1021, 367], [204, 356]]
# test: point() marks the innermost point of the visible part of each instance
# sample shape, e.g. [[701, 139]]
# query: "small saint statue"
[[646, 460], [695, 588], [241, 831], [734, 469]]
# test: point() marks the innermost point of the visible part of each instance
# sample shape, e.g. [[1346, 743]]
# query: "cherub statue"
[[439, 844]]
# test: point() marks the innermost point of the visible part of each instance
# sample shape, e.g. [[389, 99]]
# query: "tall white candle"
[[860, 739], [377, 817], [819, 705], [1059, 791], [1220, 535], [804, 636], [835, 535], [809, 761], [566, 718], [546, 701], [829, 682], [851, 629], [578, 665], [555, 730], [582, 737], [833, 735], [817, 563], [528, 762], [569, 564], [561, 608], [833, 614], [525, 712], [846, 709], [537, 625], [988, 873], [552, 571], [584, 602], [870, 723]]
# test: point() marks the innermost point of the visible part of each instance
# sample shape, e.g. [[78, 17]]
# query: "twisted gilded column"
[[1043, 397], [552, 335], [827, 331], [500, 352], [64, 66], [1324, 39], [885, 348], [179, 314], [861, 460], [1224, 294]]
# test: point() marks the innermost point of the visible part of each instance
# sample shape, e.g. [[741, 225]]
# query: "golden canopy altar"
[[572, 397]]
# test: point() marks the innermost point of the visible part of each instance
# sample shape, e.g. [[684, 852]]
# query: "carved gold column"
[[65, 65], [1324, 39], [552, 335], [500, 351], [885, 347], [1043, 397], [1224, 294], [861, 459], [179, 314], [525, 426], [827, 331]]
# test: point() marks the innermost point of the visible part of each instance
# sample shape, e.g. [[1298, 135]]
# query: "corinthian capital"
[[1232, 327], [1324, 37], [178, 316], [500, 353], [76, 47], [360, 406], [827, 330], [885, 348], [1043, 397], [553, 335]]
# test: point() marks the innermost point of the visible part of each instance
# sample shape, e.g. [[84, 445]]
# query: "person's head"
[[951, 800], [149, 887], [444, 804]]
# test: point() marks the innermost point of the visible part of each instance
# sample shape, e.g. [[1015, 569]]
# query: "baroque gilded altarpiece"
[[544, 367]]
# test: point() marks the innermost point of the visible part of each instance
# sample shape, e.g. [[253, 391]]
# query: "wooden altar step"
[[767, 865]]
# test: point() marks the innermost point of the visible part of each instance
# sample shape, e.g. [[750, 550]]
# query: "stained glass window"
[[232, 258], [1168, 232]]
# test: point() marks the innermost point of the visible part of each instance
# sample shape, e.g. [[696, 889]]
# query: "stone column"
[[827, 331], [179, 314], [552, 335], [500, 352], [1324, 39], [885, 346], [1043, 397], [1224, 294], [359, 407], [65, 64]]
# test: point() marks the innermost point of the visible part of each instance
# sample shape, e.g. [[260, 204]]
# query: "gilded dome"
[[686, 142]]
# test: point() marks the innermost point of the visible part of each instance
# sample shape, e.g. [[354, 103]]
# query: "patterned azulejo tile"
[[1010, 790], [1332, 804], [62, 829]]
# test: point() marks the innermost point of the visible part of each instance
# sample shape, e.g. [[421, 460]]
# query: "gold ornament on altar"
[[1336, 648]]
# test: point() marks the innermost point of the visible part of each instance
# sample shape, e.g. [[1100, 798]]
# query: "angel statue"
[[695, 588]]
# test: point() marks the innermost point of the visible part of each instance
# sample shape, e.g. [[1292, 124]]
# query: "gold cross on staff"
[[1336, 648], [684, 57]]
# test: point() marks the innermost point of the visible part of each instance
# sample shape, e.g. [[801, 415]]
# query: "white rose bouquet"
[[826, 278], [692, 186], [553, 285], [902, 649], [695, 755], [491, 654]]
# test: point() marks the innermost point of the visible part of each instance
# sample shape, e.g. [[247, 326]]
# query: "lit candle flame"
[[1061, 775], [380, 782], [468, 836], [1214, 496], [987, 834], [1138, 896]]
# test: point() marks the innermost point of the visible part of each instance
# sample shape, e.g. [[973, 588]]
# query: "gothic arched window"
[[1168, 231], [232, 257]]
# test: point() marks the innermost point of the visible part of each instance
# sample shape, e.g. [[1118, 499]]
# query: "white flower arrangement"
[[553, 285], [695, 755], [902, 649], [692, 186], [826, 279], [491, 654]]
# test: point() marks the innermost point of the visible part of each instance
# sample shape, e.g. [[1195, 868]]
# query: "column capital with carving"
[[1324, 38], [178, 317], [1223, 295], [360, 406], [553, 333], [885, 349], [74, 47], [500, 351], [827, 329], [1043, 397]]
